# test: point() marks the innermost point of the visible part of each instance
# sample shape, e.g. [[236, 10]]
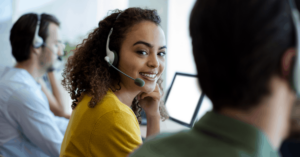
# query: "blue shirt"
[[28, 127]]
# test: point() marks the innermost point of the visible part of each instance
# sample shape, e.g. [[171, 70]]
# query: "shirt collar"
[[236, 133]]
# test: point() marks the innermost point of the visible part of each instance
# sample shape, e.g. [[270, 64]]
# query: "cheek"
[[44, 56], [130, 65], [162, 66], [48, 57]]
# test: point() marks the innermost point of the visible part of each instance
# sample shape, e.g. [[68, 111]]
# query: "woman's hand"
[[150, 102]]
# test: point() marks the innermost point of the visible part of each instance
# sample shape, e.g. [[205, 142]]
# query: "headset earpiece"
[[112, 55], [115, 62], [37, 40]]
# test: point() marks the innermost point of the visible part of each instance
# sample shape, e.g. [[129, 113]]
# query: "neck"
[[31, 67], [126, 94], [272, 115]]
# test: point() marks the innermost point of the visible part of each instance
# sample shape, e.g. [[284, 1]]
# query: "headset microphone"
[[112, 58], [137, 81]]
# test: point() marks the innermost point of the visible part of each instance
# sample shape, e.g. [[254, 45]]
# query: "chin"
[[148, 88]]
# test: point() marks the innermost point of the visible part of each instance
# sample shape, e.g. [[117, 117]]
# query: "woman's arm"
[[55, 99], [150, 104], [153, 124]]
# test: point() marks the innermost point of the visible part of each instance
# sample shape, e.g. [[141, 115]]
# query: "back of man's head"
[[238, 46], [22, 33]]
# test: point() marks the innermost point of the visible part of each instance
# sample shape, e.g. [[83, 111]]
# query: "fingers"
[[139, 96], [156, 94], [153, 95], [143, 95]]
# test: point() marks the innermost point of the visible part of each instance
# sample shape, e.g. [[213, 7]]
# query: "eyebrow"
[[163, 47], [148, 44]]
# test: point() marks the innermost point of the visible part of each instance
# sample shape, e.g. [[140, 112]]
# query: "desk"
[[166, 126]]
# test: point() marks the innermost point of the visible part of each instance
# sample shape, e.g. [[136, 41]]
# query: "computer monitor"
[[206, 105], [184, 100]]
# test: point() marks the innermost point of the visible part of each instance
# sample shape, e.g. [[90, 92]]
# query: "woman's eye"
[[162, 54], [142, 52]]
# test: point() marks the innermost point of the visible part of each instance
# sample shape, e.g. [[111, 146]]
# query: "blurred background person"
[[28, 127]]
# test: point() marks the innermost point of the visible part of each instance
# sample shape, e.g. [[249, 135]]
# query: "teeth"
[[149, 75]]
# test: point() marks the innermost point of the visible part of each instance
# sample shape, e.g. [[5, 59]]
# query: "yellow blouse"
[[110, 129]]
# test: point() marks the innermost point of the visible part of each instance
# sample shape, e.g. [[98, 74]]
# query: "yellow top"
[[110, 129]]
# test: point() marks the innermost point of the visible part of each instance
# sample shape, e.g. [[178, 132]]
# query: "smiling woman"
[[106, 103]]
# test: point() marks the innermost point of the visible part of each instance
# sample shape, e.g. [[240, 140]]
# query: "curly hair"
[[87, 71]]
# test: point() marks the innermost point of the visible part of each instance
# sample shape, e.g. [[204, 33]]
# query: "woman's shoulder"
[[109, 103], [115, 113]]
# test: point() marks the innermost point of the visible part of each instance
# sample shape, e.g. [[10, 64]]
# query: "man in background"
[[28, 127]]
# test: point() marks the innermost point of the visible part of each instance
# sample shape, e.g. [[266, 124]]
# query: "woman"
[[107, 103]]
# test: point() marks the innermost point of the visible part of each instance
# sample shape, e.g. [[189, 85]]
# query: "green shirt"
[[214, 135]]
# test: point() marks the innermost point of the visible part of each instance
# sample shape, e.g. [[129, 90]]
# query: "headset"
[[37, 40], [296, 73], [112, 55], [112, 59]]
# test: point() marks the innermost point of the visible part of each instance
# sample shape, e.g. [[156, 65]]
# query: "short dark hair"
[[22, 33], [238, 46]]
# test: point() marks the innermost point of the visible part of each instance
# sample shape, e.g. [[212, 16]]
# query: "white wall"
[[160, 5], [6, 12], [180, 57], [104, 6], [76, 16]]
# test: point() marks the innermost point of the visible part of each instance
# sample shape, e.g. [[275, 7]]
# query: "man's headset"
[[112, 59], [296, 73], [37, 40]]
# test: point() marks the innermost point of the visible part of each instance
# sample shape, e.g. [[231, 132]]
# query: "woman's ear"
[[287, 62]]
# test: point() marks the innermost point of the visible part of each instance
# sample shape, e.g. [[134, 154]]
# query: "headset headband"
[[296, 72], [111, 56]]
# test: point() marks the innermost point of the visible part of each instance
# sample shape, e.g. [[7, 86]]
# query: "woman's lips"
[[149, 76]]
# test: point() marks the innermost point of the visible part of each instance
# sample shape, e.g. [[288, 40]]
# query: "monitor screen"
[[206, 105], [184, 99]]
